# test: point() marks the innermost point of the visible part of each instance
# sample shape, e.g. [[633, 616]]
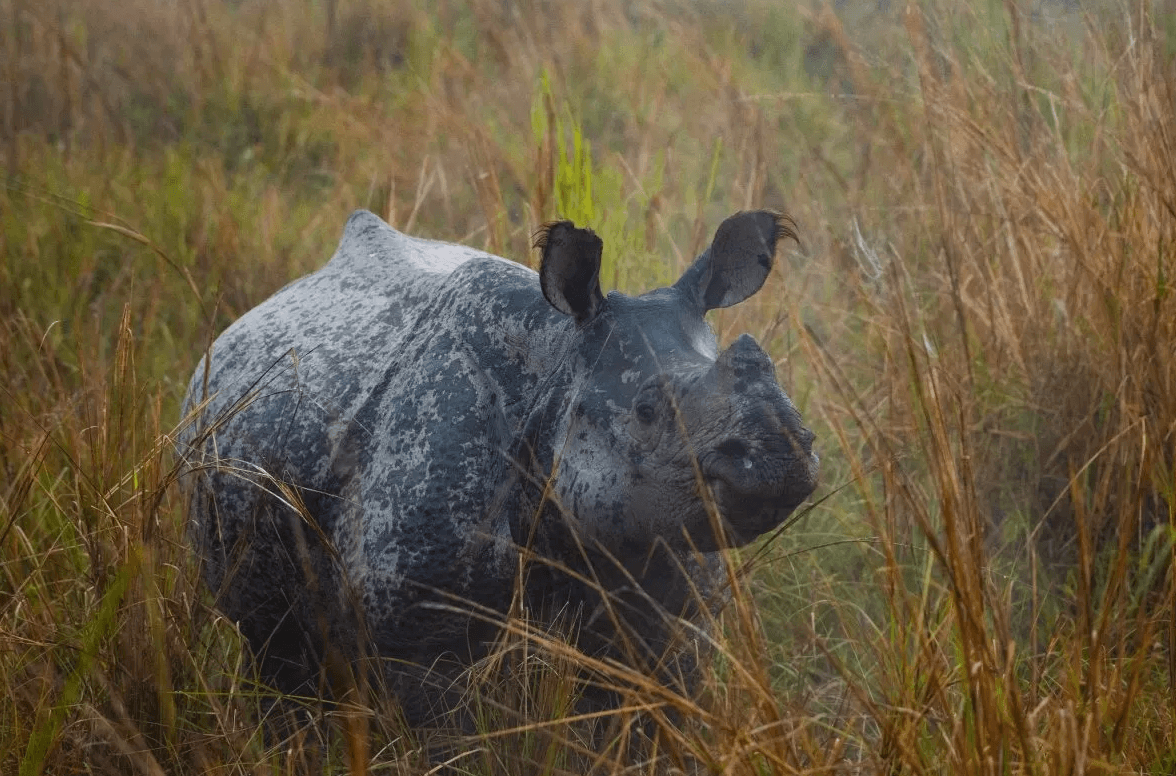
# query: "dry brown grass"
[[980, 326]]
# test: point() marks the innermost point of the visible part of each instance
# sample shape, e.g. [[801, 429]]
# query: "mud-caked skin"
[[386, 443]]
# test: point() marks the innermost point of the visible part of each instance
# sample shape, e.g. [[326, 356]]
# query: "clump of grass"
[[979, 325]]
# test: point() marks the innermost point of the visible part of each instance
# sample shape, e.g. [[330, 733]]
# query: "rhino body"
[[401, 436]]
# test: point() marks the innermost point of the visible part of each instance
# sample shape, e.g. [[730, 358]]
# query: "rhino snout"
[[783, 467], [757, 483]]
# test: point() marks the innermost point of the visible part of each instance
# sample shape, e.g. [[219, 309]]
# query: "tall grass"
[[980, 325]]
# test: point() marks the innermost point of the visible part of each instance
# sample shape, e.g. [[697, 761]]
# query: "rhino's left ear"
[[738, 260], [570, 270]]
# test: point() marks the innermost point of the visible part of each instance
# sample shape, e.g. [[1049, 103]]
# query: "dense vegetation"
[[979, 323]]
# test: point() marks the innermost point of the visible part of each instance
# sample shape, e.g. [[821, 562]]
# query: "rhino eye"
[[646, 413]]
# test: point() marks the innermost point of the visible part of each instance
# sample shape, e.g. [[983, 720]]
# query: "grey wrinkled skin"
[[414, 399]]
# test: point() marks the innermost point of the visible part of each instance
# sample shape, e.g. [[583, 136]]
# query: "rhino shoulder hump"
[[367, 240]]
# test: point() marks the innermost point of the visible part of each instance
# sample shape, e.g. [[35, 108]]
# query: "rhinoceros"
[[388, 450]]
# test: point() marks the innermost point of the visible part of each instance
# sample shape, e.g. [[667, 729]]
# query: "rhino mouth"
[[756, 487], [748, 516]]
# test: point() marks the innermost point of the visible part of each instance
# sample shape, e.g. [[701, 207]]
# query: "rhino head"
[[660, 437]]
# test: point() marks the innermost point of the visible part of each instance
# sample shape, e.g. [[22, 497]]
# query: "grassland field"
[[979, 323]]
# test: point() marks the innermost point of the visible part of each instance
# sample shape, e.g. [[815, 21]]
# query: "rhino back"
[[329, 329], [389, 387]]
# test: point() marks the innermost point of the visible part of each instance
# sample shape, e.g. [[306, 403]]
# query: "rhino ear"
[[738, 260], [570, 270]]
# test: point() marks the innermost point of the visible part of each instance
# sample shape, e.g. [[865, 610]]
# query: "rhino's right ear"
[[738, 260], [570, 270]]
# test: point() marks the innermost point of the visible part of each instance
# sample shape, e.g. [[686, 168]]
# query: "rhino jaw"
[[756, 486]]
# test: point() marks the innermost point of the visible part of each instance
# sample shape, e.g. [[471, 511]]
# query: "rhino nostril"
[[802, 438], [732, 448]]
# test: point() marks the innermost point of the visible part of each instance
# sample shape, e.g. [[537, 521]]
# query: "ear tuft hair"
[[786, 227], [543, 233]]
